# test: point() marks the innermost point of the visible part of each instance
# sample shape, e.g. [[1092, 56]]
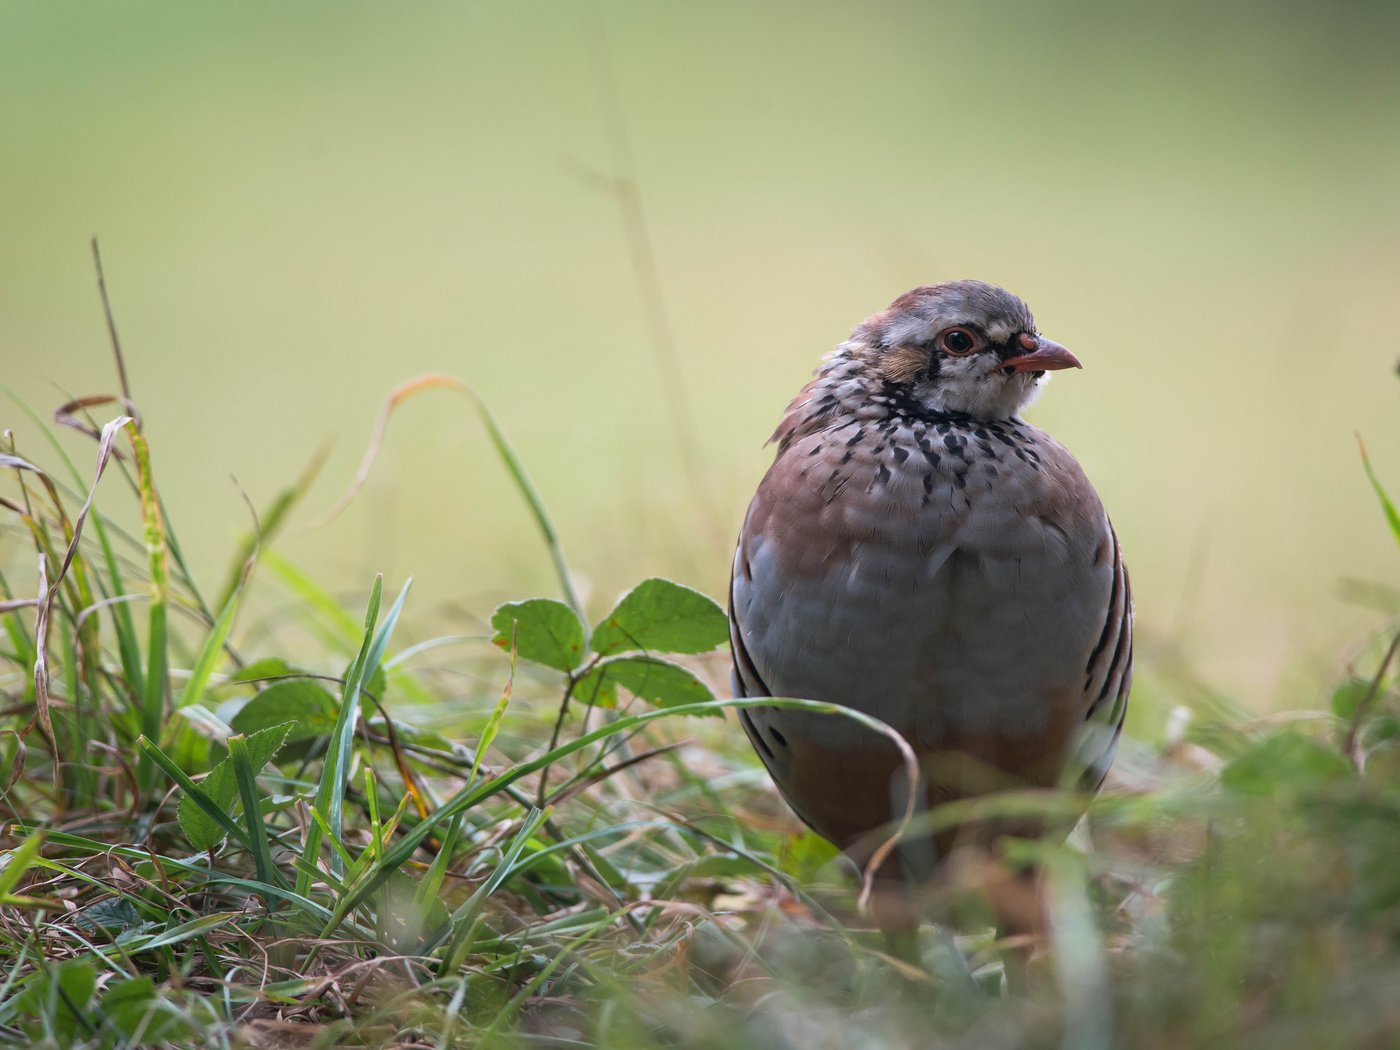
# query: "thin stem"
[[111, 321]]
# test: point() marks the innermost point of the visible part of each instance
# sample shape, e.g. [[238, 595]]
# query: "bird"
[[920, 553]]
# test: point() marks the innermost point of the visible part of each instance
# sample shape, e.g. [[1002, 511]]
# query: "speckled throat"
[[850, 406]]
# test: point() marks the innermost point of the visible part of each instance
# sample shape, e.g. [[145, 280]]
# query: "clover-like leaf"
[[596, 688], [662, 616], [545, 631], [657, 681]]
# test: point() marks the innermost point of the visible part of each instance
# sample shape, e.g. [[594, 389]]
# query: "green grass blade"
[[463, 921], [18, 861], [330, 794], [157, 649], [527, 489], [128, 644], [516, 469], [1387, 507], [269, 524], [170, 768], [176, 555], [347, 859], [246, 776], [493, 724], [192, 868], [471, 796], [20, 639], [344, 633], [430, 885], [210, 652]]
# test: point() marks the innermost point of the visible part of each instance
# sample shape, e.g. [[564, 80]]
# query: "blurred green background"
[[302, 205]]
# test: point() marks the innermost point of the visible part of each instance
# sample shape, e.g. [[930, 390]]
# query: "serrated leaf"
[[113, 916], [1286, 761], [662, 616], [221, 785], [657, 681], [310, 709], [545, 631]]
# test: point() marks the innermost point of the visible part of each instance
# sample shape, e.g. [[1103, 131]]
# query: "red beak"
[[1043, 356]]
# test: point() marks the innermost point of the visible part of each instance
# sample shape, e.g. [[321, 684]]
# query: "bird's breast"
[[946, 577]]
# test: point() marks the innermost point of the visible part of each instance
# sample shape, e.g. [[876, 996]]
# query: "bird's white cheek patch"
[[1031, 393]]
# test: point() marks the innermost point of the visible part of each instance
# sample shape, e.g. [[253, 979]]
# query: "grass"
[[349, 830]]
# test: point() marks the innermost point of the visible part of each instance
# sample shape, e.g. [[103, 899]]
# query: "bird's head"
[[961, 346]]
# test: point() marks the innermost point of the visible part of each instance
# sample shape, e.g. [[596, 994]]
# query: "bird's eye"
[[958, 341]]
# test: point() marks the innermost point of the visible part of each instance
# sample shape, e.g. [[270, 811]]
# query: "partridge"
[[920, 553]]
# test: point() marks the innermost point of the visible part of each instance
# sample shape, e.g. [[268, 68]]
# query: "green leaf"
[[472, 795], [246, 774], [429, 887], [493, 724], [596, 689], [133, 1008], [526, 488], [113, 916], [15, 862], [1288, 760], [61, 996], [376, 684], [335, 773], [194, 792], [221, 785], [310, 709], [657, 681], [1348, 696], [802, 856], [1383, 729], [197, 927], [662, 616], [267, 667], [210, 652], [545, 631]]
